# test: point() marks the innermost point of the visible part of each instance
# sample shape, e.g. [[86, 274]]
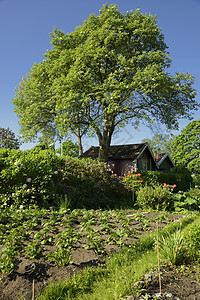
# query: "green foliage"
[[68, 148], [133, 181], [179, 175], [186, 147], [160, 143], [42, 178], [8, 259], [196, 180], [154, 197], [110, 70], [29, 177], [8, 139], [187, 200], [62, 256], [172, 247], [192, 242], [33, 250]]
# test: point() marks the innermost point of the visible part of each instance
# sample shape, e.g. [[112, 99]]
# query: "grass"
[[116, 279]]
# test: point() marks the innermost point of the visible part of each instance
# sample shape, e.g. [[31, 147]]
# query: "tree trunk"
[[80, 147], [105, 141]]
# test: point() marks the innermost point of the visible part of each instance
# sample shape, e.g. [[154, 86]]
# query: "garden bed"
[[44, 246]]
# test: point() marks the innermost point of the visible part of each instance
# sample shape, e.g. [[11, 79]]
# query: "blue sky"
[[24, 38]]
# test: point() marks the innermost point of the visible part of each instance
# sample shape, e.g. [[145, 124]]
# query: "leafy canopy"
[[106, 73], [186, 147]]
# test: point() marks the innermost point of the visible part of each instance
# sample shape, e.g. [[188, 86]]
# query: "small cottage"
[[124, 159]]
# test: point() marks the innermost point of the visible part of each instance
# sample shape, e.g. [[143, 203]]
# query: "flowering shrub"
[[133, 181], [41, 177], [8, 139], [168, 186]]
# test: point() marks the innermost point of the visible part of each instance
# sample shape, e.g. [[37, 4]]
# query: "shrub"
[[192, 242], [180, 176], [183, 178], [8, 139], [187, 200], [133, 181], [154, 197], [29, 177], [41, 177]]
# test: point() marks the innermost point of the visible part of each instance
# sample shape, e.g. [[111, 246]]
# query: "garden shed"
[[124, 159]]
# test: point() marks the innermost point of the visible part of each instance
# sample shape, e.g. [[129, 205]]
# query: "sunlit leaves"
[[186, 147]]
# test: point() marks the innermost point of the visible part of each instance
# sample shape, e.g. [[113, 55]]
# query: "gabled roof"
[[130, 151], [161, 157]]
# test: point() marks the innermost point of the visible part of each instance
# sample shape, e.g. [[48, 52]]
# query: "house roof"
[[130, 151], [161, 157]]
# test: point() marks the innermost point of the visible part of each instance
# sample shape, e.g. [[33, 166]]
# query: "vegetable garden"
[[54, 245]]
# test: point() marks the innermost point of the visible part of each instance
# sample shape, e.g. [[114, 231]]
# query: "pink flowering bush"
[[8, 139], [41, 177]]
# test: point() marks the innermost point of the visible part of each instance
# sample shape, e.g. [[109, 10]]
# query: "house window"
[[144, 165]]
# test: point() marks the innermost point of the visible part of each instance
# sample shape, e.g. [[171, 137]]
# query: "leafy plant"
[[61, 256], [192, 242], [68, 238], [133, 181], [34, 250], [154, 197], [172, 247], [8, 262], [187, 200], [94, 240]]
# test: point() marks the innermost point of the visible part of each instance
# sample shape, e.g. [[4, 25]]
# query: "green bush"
[[192, 242], [29, 177], [154, 197], [187, 200], [42, 178], [180, 176], [133, 181]]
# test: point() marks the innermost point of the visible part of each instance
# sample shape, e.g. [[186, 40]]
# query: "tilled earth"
[[177, 283], [32, 276]]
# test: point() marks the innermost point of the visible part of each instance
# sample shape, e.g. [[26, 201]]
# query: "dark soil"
[[32, 276], [181, 282]]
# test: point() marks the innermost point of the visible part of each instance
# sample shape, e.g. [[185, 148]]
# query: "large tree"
[[186, 147], [106, 73]]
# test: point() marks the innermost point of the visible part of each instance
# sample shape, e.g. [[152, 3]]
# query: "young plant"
[[34, 251], [68, 238], [95, 241], [8, 262], [61, 256]]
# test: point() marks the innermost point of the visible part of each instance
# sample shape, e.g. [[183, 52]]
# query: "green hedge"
[[178, 175]]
